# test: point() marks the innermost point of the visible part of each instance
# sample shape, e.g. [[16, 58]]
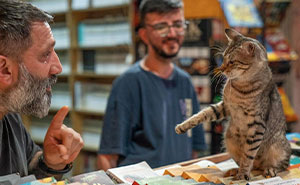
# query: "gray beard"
[[29, 96]]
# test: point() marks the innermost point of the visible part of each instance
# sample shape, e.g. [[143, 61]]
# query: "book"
[[45, 181], [275, 181], [15, 179], [104, 33], [167, 180], [273, 12], [88, 57], [179, 170], [266, 181], [129, 174], [92, 178], [241, 13], [278, 48], [210, 174]]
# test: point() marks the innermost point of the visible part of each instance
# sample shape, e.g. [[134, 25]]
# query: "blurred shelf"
[[59, 17], [90, 148], [89, 112], [99, 12], [95, 78], [121, 47]]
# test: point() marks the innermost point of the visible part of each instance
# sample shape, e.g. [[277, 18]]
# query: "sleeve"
[[116, 126], [198, 134]]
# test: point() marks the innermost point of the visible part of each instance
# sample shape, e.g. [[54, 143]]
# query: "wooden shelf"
[[90, 149], [59, 17], [124, 48], [63, 77], [89, 113], [100, 12], [95, 78]]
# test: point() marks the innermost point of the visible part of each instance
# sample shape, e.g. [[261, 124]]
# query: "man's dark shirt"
[[16, 146]]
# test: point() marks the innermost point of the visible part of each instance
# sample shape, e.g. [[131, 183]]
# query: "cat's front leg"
[[211, 113]]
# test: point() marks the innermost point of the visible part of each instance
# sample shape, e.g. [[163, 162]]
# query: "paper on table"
[[128, 174], [266, 181], [161, 171], [227, 165], [205, 163]]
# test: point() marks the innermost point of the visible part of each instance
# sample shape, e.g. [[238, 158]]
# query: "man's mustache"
[[52, 80], [171, 39]]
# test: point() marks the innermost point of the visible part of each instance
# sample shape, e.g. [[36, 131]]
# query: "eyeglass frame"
[[184, 26]]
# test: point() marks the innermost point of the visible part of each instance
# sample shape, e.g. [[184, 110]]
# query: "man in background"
[[28, 68], [152, 97]]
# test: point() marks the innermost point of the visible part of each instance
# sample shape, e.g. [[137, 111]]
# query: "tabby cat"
[[255, 136]]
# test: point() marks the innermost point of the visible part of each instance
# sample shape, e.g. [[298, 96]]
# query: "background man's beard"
[[163, 54], [29, 96]]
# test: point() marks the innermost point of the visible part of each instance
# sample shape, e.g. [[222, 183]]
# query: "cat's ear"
[[231, 34], [249, 47]]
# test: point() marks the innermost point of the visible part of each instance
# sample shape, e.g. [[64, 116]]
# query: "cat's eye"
[[231, 62]]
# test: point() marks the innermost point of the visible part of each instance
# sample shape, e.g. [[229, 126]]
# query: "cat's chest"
[[239, 107]]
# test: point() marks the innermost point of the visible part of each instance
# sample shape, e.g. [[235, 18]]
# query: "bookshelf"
[[95, 44]]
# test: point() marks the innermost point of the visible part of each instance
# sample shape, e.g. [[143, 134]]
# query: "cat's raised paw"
[[179, 129]]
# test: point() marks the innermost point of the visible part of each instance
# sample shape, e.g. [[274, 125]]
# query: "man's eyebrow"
[[52, 44]]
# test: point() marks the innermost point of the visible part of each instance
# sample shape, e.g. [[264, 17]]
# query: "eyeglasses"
[[163, 29]]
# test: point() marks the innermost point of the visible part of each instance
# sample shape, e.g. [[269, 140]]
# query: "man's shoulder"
[[133, 70], [130, 74], [13, 117], [14, 120]]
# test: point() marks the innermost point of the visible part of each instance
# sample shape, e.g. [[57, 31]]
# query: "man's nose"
[[171, 32], [56, 67]]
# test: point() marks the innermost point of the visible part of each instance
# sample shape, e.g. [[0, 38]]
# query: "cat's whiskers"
[[216, 75]]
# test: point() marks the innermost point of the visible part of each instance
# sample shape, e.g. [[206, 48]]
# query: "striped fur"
[[255, 135]]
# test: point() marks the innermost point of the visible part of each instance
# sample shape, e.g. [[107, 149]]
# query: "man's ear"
[[143, 35], [6, 71]]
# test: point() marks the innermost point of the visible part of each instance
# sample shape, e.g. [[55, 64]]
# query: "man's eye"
[[46, 56], [160, 26], [178, 25]]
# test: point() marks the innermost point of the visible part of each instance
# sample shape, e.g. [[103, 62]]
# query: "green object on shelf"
[[217, 98]]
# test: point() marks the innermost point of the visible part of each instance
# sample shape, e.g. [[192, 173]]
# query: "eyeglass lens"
[[163, 29]]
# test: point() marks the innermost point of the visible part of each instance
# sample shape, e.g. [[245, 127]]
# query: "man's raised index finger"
[[59, 117]]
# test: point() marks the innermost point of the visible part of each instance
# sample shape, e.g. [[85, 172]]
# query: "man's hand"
[[107, 161], [61, 144]]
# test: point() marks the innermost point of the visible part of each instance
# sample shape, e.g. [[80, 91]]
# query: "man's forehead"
[[41, 35]]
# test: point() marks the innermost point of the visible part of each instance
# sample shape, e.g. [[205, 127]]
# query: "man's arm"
[[107, 161], [195, 154], [39, 173]]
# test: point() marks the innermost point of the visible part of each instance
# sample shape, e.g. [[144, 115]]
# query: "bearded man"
[[28, 68], [148, 100]]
